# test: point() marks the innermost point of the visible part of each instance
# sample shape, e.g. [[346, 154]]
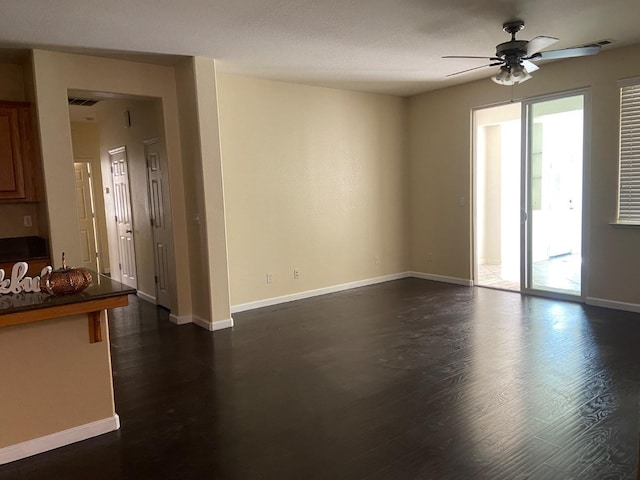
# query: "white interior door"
[[86, 216], [123, 216], [160, 221]]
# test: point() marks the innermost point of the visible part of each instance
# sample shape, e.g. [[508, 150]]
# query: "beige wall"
[[315, 180], [212, 189], [198, 96], [85, 138], [41, 191], [12, 83], [440, 166], [54, 75], [194, 198], [52, 379], [12, 220]]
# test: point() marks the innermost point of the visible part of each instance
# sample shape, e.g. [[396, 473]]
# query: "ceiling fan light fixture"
[[519, 74], [503, 76], [511, 75]]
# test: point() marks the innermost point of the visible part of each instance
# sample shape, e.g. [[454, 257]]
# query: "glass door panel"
[[553, 201]]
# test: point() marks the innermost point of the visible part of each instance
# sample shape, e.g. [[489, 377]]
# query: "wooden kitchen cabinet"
[[16, 162]]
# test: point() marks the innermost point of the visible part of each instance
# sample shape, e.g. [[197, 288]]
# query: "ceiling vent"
[[602, 43], [82, 102]]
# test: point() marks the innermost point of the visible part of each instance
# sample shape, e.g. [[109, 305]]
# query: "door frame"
[[525, 195], [474, 187], [586, 197]]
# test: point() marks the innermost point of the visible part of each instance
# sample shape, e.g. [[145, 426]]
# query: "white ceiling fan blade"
[[530, 66], [471, 69], [467, 56], [538, 43], [566, 53]]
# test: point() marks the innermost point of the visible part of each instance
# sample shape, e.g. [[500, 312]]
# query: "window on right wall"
[[629, 181]]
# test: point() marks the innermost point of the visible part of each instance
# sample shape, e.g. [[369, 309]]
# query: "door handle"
[[128, 231]]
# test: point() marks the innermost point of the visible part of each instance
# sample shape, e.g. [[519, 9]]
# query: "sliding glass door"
[[528, 177], [552, 195]]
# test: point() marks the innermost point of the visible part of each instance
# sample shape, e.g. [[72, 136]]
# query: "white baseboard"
[[182, 320], [213, 326], [601, 302], [314, 293], [222, 324], [201, 322], [59, 439], [146, 297], [442, 278]]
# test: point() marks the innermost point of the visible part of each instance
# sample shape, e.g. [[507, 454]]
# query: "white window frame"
[[629, 153]]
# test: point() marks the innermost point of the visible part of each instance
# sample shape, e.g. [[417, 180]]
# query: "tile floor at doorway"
[[563, 272]]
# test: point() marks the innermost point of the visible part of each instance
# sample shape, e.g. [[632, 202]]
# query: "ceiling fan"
[[516, 57]]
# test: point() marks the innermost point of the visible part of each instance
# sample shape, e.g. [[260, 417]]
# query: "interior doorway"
[[497, 196], [126, 137], [528, 195], [85, 204]]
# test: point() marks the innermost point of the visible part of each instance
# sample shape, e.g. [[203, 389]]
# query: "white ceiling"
[[386, 46]]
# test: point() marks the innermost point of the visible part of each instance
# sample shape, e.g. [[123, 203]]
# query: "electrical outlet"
[[462, 201], [376, 259], [296, 273], [429, 257], [27, 221], [269, 278]]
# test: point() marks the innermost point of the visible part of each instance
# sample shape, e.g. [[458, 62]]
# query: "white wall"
[[489, 195], [498, 224]]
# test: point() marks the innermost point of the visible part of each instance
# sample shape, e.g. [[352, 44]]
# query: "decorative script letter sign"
[[19, 282]]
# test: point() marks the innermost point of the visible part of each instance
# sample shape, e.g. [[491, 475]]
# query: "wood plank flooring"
[[409, 379]]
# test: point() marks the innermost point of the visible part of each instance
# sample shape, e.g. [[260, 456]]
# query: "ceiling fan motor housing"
[[512, 51]]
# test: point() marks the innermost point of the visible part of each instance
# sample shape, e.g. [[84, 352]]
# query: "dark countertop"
[[101, 287]]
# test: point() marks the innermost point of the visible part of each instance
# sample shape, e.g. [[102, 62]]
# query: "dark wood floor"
[[405, 380]]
